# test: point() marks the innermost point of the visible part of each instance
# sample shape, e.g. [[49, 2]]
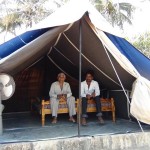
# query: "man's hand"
[[93, 94], [88, 96], [59, 96], [64, 96]]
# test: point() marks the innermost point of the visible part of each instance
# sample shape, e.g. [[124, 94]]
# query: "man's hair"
[[60, 74], [91, 72]]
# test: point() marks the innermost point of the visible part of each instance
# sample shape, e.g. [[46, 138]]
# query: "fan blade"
[[8, 86], [4, 79]]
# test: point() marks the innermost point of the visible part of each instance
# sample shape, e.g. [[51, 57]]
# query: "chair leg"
[[43, 119], [113, 116], [113, 109], [79, 109]]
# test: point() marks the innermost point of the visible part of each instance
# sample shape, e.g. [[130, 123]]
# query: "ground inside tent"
[[23, 127]]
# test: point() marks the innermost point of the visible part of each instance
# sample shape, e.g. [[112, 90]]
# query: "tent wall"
[[34, 82], [30, 53], [121, 103]]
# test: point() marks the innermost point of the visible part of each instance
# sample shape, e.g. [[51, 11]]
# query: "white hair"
[[61, 74]]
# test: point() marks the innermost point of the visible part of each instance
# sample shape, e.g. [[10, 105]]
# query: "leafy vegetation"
[[116, 13], [17, 13], [142, 42]]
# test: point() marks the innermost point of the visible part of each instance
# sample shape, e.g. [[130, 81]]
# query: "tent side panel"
[[121, 103], [140, 62], [21, 40]]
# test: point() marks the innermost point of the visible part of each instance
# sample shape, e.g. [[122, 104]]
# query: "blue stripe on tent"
[[19, 41], [139, 61]]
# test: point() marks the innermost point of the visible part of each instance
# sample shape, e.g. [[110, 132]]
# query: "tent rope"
[[59, 36], [63, 55], [60, 68], [22, 40], [34, 63], [120, 81], [57, 40]]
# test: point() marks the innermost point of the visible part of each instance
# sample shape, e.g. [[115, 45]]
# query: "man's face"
[[89, 77], [61, 78]]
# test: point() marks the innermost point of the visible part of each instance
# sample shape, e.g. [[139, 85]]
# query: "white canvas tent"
[[104, 51]]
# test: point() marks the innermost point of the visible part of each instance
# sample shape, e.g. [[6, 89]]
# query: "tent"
[[119, 67]]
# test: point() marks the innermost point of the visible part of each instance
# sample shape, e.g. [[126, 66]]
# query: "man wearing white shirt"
[[90, 90]]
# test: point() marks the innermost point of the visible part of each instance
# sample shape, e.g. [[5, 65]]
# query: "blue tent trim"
[[139, 61], [19, 41]]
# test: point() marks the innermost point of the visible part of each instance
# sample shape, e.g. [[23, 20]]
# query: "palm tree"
[[115, 13], [16, 13], [32, 11], [9, 23]]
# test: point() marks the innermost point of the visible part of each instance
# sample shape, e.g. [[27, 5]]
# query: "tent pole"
[[1, 109], [128, 106], [80, 73]]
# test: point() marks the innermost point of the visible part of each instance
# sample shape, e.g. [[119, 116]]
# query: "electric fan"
[[7, 88]]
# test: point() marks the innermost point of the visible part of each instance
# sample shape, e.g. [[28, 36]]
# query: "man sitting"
[[90, 90], [61, 90]]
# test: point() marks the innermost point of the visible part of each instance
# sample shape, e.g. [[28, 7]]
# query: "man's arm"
[[83, 94], [97, 90], [52, 91], [69, 93]]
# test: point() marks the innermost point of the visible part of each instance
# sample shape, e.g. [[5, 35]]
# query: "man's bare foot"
[[54, 120], [101, 121], [72, 119], [83, 122]]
